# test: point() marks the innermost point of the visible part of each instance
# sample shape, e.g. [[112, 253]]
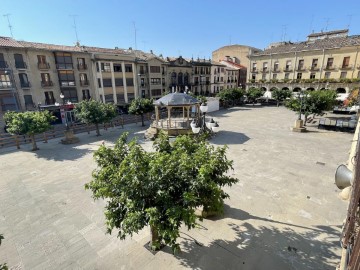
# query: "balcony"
[[329, 67], [47, 84], [64, 66], [264, 70], [82, 66], [43, 66], [3, 65], [346, 67], [67, 83], [6, 85], [254, 70], [25, 85], [50, 101], [358, 67], [288, 69], [20, 65], [275, 70], [301, 68], [314, 68], [84, 83]]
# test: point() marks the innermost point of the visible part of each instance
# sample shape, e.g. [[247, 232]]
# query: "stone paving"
[[283, 214]]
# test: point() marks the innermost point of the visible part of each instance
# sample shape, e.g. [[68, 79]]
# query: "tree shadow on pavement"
[[66, 152], [229, 137], [261, 247]]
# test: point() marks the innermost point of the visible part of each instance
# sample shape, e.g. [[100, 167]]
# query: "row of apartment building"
[[34, 75]]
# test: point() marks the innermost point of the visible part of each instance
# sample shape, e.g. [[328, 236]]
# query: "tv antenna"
[[327, 20], [9, 24], [75, 28], [350, 18]]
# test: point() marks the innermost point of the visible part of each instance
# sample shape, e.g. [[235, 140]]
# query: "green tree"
[[28, 123], [2, 266], [161, 189], [254, 93], [313, 102], [94, 112], [280, 95], [140, 106], [231, 96]]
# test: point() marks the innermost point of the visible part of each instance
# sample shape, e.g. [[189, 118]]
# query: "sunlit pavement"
[[284, 213]]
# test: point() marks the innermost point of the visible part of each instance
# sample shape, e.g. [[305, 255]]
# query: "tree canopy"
[[254, 93], [231, 95], [140, 106], [94, 112], [281, 94], [28, 123], [161, 188], [313, 102]]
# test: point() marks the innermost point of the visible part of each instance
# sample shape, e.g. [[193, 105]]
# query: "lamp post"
[[301, 97], [201, 126], [299, 123], [39, 105], [63, 98]]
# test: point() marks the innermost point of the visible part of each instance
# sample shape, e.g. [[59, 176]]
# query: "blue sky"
[[175, 27]]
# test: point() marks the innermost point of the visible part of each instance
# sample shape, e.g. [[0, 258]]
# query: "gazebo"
[[174, 113]]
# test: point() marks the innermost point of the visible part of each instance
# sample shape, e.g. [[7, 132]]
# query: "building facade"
[[238, 54], [327, 60]]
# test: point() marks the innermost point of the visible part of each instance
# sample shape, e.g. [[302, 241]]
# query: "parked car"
[[354, 109]]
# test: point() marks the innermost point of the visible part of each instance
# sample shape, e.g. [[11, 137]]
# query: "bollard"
[[17, 142]]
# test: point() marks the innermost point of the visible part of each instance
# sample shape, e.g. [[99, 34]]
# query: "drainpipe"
[[321, 68]]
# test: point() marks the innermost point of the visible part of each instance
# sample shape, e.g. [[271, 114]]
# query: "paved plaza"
[[284, 213]]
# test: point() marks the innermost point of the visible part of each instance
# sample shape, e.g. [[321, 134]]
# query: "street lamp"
[[62, 97], [202, 126]]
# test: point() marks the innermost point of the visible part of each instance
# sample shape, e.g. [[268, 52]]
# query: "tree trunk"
[[154, 237], [142, 120], [306, 117], [97, 130], [277, 103], [34, 146]]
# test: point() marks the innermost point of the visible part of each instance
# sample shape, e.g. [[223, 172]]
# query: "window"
[[63, 60], [49, 98], [105, 67], [45, 79], [129, 81], [253, 77], [5, 80], [254, 67], [120, 98], [265, 66], [107, 83], [19, 61], [156, 92], [70, 94], [142, 82], [142, 70], [155, 81], [119, 82], [276, 66], [97, 67], [327, 75], [24, 82], [86, 94], [343, 75], [312, 75], [83, 79], [301, 64], [163, 70], [99, 83], [128, 68], [299, 76], [186, 78], [330, 62], [314, 64], [28, 101], [42, 64], [180, 78], [3, 63], [263, 77], [109, 98], [346, 62], [173, 78], [117, 68], [81, 64], [221, 79], [288, 65], [287, 76], [66, 78], [274, 76], [154, 69]]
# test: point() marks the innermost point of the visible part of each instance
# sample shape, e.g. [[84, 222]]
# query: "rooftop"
[[176, 99]]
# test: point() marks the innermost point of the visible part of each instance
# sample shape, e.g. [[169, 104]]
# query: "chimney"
[[151, 51]]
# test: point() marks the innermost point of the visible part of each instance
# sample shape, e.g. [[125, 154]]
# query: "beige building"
[[327, 60], [237, 53], [180, 75]]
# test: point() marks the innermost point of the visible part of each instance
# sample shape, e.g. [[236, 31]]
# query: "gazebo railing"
[[172, 124]]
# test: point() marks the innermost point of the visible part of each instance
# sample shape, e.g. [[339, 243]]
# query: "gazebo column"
[[157, 115], [169, 116], [187, 121]]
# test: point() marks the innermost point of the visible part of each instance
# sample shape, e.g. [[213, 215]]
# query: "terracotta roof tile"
[[9, 42]]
